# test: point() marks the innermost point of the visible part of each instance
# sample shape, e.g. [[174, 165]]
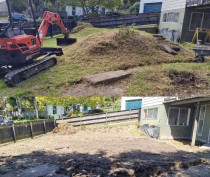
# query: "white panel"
[[50, 110], [151, 101], [69, 10], [141, 10], [60, 110], [79, 11], [3, 7], [173, 4]]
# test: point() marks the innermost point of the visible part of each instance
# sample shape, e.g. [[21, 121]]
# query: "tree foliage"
[[66, 101], [88, 5]]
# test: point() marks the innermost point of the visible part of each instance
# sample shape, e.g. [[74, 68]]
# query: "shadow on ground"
[[134, 163]]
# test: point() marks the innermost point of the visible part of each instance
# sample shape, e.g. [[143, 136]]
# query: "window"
[[164, 17], [73, 11], [151, 113], [199, 20], [171, 17], [201, 120], [54, 110], [176, 17], [179, 116]]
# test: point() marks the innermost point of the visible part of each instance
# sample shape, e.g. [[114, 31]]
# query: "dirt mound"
[[124, 40], [65, 129], [80, 26], [123, 50], [185, 78]]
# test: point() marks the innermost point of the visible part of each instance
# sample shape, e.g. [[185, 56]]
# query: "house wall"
[[3, 9], [176, 132], [167, 131], [188, 34], [150, 101], [79, 11], [142, 2], [172, 30], [205, 137]]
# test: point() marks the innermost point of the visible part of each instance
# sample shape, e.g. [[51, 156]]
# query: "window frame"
[[153, 112], [179, 108], [203, 14], [201, 134], [173, 19]]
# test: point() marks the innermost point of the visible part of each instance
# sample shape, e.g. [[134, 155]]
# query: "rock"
[[107, 77], [167, 48]]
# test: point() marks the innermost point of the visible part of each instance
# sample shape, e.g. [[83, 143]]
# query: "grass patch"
[[78, 62], [155, 80]]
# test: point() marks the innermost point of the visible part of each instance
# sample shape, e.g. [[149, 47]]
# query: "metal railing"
[[197, 2]]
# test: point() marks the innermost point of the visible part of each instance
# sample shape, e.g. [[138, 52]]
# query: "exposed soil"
[[85, 89], [186, 79], [110, 151], [80, 26]]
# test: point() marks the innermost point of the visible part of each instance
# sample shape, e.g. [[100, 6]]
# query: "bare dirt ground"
[[101, 151]]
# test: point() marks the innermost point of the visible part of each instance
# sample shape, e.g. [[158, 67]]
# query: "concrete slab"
[[107, 77]]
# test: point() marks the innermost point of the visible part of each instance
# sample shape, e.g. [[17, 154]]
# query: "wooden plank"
[[101, 116], [126, 117]]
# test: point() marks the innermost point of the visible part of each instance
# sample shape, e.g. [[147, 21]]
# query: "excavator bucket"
[[66, 41]]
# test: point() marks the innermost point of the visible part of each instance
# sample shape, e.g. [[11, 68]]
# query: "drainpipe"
[[195, 128]]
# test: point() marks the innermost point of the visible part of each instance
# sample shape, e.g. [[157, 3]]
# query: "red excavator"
[[22, 55]]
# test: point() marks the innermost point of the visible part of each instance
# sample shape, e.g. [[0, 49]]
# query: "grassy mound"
[[125, 49]]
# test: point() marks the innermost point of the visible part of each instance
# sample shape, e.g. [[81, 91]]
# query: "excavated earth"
[[103, 151]]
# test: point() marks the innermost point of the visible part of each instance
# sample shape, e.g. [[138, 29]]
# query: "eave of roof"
[[189, 100]]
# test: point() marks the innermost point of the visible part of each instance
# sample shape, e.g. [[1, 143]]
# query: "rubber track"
[[9, 76]]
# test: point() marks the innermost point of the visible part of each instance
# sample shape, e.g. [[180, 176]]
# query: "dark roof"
[[188, 100]]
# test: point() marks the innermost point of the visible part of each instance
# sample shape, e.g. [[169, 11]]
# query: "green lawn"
[[71, 68]]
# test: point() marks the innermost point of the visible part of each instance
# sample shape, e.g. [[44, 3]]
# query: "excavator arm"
[[47, 20]]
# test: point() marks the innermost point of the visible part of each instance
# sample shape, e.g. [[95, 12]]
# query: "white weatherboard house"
[[180, 18], [78, 11], [150, 6], [128, 103]]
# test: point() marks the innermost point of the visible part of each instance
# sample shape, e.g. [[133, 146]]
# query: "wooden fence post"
[[139, 116], [32, 133], [13, 128], [54, 122], [106, 117], [129, 115], [44, 127]]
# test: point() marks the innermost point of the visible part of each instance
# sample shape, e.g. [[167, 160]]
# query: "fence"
[[116, 21], [25, 130], [106, 118]]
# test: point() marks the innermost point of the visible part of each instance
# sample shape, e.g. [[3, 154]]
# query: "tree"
[[66, 101]]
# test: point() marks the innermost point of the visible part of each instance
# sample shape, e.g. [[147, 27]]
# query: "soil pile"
[[80, 26], [65, 129], [125, 49]]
